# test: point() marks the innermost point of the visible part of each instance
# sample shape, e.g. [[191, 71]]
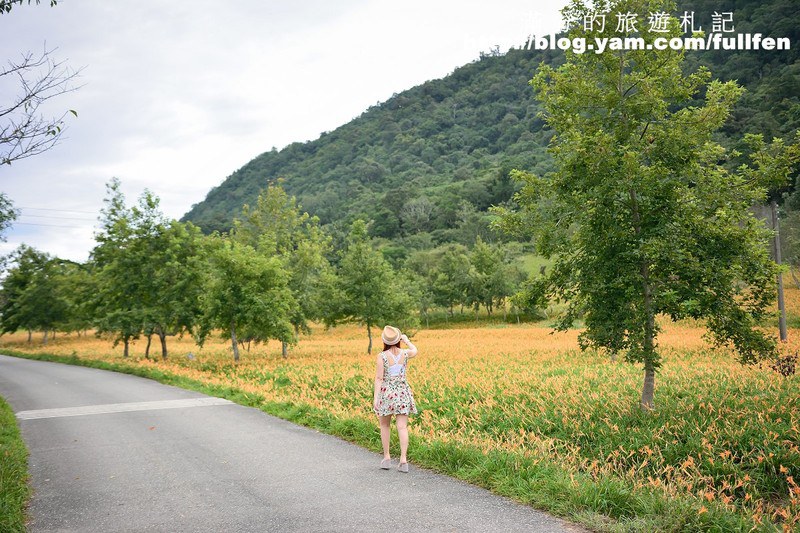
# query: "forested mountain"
[[427, 162]]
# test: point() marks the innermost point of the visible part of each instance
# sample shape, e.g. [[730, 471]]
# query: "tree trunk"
[[163, 336], [44, 339], [648, 387], [234, 343], [794, 278], [649, 348], [30, 335], [126, 348], [369, 334], [284, 350], [648, 344], [147, 348]]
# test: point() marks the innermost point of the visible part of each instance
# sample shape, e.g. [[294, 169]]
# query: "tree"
[[76, 286], [451, 281], [7, 214], [416, 214], [167, 256], [641, 216], [492, 276], [117, 303], [276, 227], [246, 295], [24, 263], [6, 5], [471, 223], [30, 298], [175, 287], [368, 291], [24, 132]]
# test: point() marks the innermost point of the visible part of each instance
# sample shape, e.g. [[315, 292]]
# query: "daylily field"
[[552, 424]]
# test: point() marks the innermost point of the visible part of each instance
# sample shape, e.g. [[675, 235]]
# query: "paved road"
[[112, 452]]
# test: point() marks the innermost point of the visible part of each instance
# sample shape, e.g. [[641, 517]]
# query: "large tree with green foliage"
[[76, 286], [246, 295], [117, 305], [641, 214], [170, 262], [368, 291], [277, 227], [493, 276], [30, 297]]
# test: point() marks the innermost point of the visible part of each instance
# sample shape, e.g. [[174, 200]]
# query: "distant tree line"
[[275, 272]]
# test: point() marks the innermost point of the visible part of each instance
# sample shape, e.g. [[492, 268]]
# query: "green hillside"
[[425, 164]]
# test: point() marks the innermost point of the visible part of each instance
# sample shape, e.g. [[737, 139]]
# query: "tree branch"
[[24, 131]]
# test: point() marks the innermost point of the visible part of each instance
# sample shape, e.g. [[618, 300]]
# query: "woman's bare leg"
[[386, 429], [402, 432]]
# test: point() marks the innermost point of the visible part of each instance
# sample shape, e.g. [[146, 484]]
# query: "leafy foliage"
[[276, 227], [31, 297], [8, 214], [641, 214], [246, 295], [148, 271], [368, 291]]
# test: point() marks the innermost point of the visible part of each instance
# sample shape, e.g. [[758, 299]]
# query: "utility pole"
[[776, 244]]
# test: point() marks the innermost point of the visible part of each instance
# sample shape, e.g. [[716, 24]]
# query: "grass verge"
[[14, 488], [603, 504]]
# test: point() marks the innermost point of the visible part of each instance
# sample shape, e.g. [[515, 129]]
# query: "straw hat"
[[390, 335]]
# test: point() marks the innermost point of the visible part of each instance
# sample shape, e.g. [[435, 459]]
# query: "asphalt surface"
[[111, 452]]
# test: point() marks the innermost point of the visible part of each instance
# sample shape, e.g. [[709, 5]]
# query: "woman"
[[392, 394]]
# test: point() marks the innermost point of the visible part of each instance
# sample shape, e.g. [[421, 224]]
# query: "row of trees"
[[268, 278]]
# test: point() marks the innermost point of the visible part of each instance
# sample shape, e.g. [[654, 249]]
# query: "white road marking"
[[120, 408]]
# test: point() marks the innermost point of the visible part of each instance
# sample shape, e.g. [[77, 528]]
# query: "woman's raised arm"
[[412, 350]]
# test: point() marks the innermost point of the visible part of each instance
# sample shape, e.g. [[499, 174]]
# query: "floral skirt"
[[396, 398]]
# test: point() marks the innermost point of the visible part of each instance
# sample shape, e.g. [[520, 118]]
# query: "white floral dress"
[[395, 397]]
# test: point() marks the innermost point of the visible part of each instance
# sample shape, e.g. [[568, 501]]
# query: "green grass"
[[14, 488], [605, 504], [532, 263]]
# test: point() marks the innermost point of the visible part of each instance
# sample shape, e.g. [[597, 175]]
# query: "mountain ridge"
[[428, 158]]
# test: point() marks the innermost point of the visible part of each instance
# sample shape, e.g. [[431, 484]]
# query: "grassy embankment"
[[14, 489]]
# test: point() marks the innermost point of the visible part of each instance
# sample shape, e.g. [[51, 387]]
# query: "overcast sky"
[[176, 95]]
